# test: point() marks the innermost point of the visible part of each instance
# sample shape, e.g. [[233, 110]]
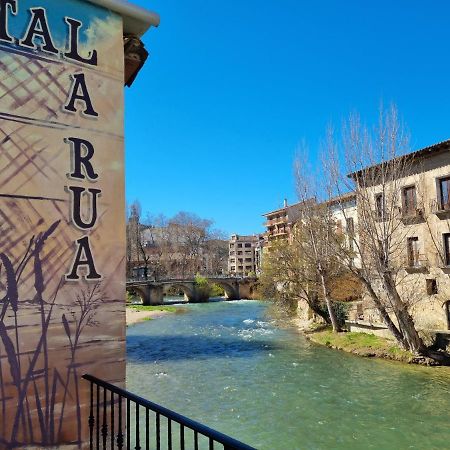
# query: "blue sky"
[[18, 24], [232, 88]]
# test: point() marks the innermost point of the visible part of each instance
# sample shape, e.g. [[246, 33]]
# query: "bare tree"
[[191, 233], [315, 234], [181, 246], [216, 253], [377, 161], [287, 278]]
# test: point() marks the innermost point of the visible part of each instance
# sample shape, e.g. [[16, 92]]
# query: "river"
[[227, 364]]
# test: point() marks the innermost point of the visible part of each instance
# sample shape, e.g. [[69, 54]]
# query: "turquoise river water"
[[227, 365]]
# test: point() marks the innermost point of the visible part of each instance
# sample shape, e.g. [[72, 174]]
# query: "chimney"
[[285, 203]]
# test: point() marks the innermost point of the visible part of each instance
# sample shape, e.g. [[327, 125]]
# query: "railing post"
[[112, 421], [120, 433], [91, 421], [105, 423], [147, 429], [158, 431], [137, 434], [128, 424], [97, 421]]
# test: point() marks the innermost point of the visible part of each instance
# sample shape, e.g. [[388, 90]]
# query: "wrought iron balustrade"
[[119, 420]]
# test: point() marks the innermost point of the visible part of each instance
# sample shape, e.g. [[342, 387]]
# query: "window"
[[248, 259], [239, 245], [232, 253], [409, 200], [248, 245], [350, 224], [232, 260], [233, 268], [239, 253], [413, 252], [446, 249], [444, 193], [380, 206], [432, 286], [231, 245]]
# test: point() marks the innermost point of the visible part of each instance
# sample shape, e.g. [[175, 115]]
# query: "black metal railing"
[[120, 420]]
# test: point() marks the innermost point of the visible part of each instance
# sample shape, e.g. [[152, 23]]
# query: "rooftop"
[[348, 196], [421, 153], [284, 208], [136, 20]]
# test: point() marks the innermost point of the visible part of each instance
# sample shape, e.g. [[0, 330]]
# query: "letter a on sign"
[[83, 258], [79, 91]]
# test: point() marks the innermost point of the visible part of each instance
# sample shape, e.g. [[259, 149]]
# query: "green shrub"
[[341, 311], [203, 288], [217, 291], [131, 297]]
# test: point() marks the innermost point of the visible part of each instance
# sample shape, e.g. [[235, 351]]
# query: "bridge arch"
[[231, 289], [150, 294], [140, 292], [186, 288]]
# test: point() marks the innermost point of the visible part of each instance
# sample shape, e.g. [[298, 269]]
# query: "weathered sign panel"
[[61, 216]]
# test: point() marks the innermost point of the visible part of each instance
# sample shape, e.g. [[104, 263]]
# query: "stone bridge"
[[152, 292]]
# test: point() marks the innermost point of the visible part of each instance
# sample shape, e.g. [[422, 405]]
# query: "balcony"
[[119, 419], [440, 210], [413, 216], [278, 221], [422, 265], [277, 234]]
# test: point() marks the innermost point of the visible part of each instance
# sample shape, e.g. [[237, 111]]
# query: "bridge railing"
[[119, 419], [181, 280]]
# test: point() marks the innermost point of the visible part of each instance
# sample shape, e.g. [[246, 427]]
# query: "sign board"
[[62, 230]]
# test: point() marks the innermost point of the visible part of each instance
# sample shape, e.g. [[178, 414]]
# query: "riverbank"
[[361, 344], [139, 313]]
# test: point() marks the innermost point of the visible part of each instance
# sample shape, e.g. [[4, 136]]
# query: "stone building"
[[259, 254], [423, 230], [242, 259]]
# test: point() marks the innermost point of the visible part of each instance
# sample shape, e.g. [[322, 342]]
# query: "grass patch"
[[363, 344]]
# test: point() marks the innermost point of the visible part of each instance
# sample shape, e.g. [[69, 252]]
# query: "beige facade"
[[423, 236], [242, 259], [62, 228], [345, 213]]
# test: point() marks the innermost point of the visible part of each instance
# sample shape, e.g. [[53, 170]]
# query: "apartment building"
[[279, 222], [259, 254], [421, 221], [242, 259]]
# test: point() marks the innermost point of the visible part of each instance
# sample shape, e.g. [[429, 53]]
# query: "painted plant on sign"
[[41, 391]]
